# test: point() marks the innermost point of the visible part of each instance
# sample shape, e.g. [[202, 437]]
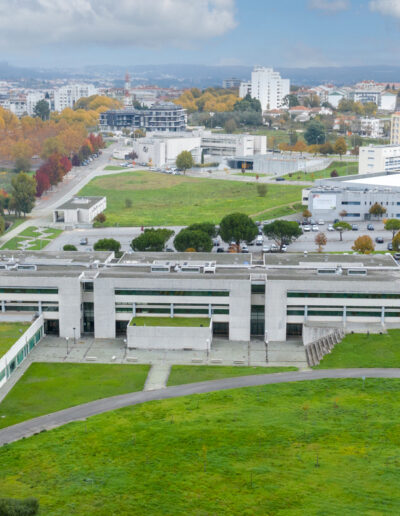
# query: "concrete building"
[[32, 99], [283, 297], [215, 144], [329, 197], [79, 210], [371, 127], [166, 117], [66, 96], [395, 129], [268, 87], [244, 89], [388, 101], [231, 83], [379, 158]]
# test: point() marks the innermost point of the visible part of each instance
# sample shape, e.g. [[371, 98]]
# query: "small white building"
[[388, 101], [79, 210], [66, 96], [379, 158]]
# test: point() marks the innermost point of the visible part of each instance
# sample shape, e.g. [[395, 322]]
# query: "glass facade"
[[27, 290], [345, 295]]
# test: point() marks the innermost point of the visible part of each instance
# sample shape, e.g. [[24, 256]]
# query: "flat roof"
[[194, 258], [383, 180], [318, 260], [81, 203]]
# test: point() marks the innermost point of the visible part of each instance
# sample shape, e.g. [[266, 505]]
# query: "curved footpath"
[[81, 412]]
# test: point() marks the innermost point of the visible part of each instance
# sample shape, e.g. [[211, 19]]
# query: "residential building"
[[395, 129], [285, 296], [379, 158], [268, 87], [388, 101], [32, 99], [66, 96], [244, 89], [355, 195], [231, 83], [160, 117], [371, 127]]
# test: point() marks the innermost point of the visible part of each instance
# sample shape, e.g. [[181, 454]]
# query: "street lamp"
[[74, 337], [67, 339]]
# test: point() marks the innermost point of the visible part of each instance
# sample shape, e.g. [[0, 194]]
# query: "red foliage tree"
[[42, 181]]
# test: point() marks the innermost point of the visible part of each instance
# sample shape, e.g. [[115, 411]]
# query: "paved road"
[[81, 412]]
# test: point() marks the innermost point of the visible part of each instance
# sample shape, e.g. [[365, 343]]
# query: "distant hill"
[[187, 75]]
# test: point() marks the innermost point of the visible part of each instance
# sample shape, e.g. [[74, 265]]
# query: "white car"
[[321, 222], [331, 228], [266, 249], [306, 228], [315, 227]]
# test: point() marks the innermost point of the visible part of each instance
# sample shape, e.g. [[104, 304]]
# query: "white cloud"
[[329, 5], [29, 23], [388, 7]]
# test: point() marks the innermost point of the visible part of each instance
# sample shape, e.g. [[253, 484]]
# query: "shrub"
[[128, 203], [334, 173], [107, 244], [100, 218], [11, 507], [69, 247], [262, 190]]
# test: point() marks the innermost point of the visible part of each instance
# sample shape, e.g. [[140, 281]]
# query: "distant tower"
[[127, 89]]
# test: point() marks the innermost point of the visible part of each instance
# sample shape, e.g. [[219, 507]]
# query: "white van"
[[259, 240]]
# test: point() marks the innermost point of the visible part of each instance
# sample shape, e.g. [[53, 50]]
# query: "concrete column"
[[305, 313], [3, 306], [40, 308], [344, 314], [133, 309], [383, 315], [172, 310], [210, 311]]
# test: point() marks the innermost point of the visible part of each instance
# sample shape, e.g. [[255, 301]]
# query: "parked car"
[[321, 222], [306, 228], [83, 241], [274, 248], [266, 249], [331, 228], [280, 179], [220, 250], [284, 248], [390, 246], [396, 256], [336, 221], [354, 227], [379, 240], [315, 227], [169, 250], [259, 240], [245, 249], [370, 227]]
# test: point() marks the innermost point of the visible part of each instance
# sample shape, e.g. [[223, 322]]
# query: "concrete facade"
[[379, 158], [79, 210]]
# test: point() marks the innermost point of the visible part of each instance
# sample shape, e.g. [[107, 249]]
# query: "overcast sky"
[[278, 33]]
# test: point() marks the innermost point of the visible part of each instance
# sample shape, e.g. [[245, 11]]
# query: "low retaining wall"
[[317, 349], [172, 338], [21, 349]]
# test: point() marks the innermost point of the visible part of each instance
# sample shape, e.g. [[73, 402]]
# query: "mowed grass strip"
[[9, 334], [163, 199], [46, 388], [363, 350], [308, 448], [181, 374]]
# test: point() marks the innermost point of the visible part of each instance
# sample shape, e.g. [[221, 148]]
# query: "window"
[[258, 288], [351, 203], [207, 293], [28, 290], [349, 295]]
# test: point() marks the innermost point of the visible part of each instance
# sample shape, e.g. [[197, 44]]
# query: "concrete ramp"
[[287, 353]]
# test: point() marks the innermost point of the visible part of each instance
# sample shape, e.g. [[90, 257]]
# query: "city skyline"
[[292, 33]]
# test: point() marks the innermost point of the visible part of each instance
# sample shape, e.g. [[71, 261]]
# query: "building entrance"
[[257, 327]]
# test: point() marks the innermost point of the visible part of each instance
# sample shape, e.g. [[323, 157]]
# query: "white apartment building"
[[379, 158], [372, 127], [268, 87], [66, 96], [395, 129], [244, 89], [32, 99]]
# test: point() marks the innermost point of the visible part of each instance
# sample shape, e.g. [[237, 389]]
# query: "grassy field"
[[342, 168], [181, 374], [310, 448], [6, 177], [114, 167], [362, 350], [32, 236], [46, 388], [189, 322], [162, 199], [9, 334]]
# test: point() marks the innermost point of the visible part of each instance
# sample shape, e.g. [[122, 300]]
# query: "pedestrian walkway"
[[157, 377], [288, 353]]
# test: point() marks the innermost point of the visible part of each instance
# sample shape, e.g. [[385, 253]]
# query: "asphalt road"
[[81, 412]]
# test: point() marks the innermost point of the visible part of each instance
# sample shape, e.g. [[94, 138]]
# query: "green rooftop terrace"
[[171, 321], [9, 334]]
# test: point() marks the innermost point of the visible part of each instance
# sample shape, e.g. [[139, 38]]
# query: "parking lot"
[[305, 243]]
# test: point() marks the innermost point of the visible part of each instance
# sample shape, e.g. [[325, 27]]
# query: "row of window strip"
[[27, 290], [23, 353], [338, 311], [28, 306], [346, 295], [197, 293], [165, 308]]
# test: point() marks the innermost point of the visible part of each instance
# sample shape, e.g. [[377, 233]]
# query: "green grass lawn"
[[309, 448], [181, 374], [162, 199], [16, 221], [171, 321], [47, 387], [33, 237], [9, 334], [114, 167], [342, 168], [362, 350]]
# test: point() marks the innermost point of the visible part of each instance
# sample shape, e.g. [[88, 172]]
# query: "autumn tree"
[[340, 147], [364, 245], [184, 161], [320, 241], [343, 214], [396, 242], [377, 210], [300, 146], [306, 214]]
